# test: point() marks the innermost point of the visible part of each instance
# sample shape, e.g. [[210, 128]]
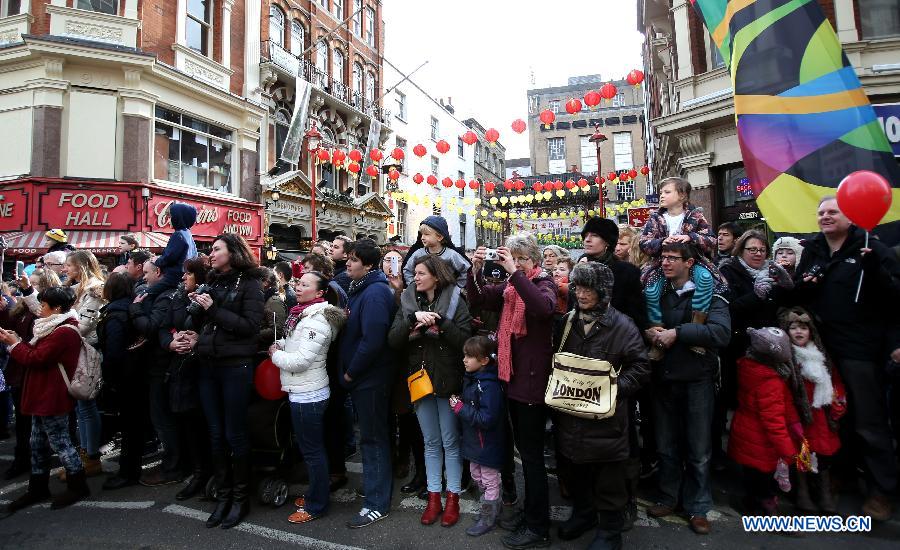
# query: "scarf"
[[812, 368], [754, 273], [356, 286], [512, 323], [296, 313], [45, 325], [604, 258]]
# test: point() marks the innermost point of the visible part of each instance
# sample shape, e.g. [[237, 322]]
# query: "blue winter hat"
[[439, 224]]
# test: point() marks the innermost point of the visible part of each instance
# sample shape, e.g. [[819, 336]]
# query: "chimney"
[[449, 105]]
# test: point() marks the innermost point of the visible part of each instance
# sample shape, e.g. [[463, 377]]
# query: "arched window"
[[322, 63], [337, 69], [297, 42], [357, 83], [276, 25], [370, 87], [282, 125]]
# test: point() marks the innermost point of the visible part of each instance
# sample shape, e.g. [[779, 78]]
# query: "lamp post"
[[597, 139], [313, 137]]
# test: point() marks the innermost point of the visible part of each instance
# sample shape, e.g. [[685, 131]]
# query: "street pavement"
[[150, 518]]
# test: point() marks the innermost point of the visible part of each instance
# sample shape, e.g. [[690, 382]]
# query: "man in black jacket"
[[859, 334], [684, 390], [340, 250]]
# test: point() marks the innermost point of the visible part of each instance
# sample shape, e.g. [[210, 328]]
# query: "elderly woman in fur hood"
[[311, 327]]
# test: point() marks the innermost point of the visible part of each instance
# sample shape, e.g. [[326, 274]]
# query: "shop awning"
[[34, 242]]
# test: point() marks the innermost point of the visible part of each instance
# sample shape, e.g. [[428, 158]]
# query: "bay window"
[[191, 151]]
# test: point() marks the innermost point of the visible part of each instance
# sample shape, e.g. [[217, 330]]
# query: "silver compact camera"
[[491, 254]]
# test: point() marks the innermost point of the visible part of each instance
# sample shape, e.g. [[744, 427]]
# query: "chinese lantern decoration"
[[473, 184], [372, 171], [355, 155], [592, 99], [573, 106], [460, 183], [520, 185], [632, 173], [608, 91], [570, 184], [447, 182], [323, 155], [645, 170], [558, 185], [353, 167], [418, 178], [442, 146], [492, 135], [547, 117], [469, 138], [599, 180], [611, 176], [582, 183], [420, 150], [397, 153], [623, 176], [338, 157], [489, 186], [376, 155], [508, 185], [537, 187], [394, 175], [432, 179], [635, 77], [518, 126]]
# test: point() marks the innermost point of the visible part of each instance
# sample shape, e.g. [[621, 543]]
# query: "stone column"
[[252, 16], [137, 114], [131, 11], [180, 16], [247, 143], [226, 32], [693, 164], [46, 135], [682, 39], [846, 21]]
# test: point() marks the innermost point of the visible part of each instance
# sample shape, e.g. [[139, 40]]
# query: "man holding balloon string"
[[852, 284]]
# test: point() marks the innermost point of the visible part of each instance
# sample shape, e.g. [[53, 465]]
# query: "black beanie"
[[606, 228]]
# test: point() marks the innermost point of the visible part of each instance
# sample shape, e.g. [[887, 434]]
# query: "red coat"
[[44, 392], [760, 428], [822, 439], [21, 323]]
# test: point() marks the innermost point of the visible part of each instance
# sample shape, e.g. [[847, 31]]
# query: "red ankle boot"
[[433, 510], [451, 512]]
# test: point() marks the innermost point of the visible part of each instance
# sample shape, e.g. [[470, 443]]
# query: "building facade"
[[518, 168], [490, 165], [690, 99], [126, 102]]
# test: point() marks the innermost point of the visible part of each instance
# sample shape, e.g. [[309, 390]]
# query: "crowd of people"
[[783, 358]]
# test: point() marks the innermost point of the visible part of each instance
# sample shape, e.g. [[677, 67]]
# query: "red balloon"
[[418, 178], [460, 183], [518, 126], [864, 197], [489, 186], [376, 155], [394, 175], [582, 183], [635, 77], [645, 170], [592, 99], [442, 146], [447, 182], [608, 91], [398, 153], [492, 135], [432, 179], [473, 184], [267, 380], [469, 138], [353, 167], [372, 171], [323, 155], [355, 155], [547, 117], [573, 106], [420, 150]]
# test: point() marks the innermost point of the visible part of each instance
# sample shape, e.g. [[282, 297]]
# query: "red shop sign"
[[13, 209], [637, 217], [212, 219], [94, 208]]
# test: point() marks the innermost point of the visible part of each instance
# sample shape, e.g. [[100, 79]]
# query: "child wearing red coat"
[[827, 403], [766, 425]]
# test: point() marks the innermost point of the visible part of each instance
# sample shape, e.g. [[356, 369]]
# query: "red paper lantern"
[[570, 184], [489, 186], [432, 179], [469, 138], [547, 117], [573, 106], [599, 180], [864, 197], [592, 99], [322, 155], [338, 156], [376, 155], [623, 176], [372, 170], [460, 183], [537, 187], [473, 184], [645, 170], [635, 77], [397, 153], [267, 380], [442, 147], [447, 182], [582, 183], [420, 150], [492, 135], [355, 155], [518, 126], [353, 167], [608, 91], [611, 176], [418, 178], [520, 185], [632, 173], [508, 185], [558, 184], [394, 175]]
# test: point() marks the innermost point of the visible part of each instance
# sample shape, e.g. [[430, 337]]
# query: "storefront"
[[95, 215], [736, 200]]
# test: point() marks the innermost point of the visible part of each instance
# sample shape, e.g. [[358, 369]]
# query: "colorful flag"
[[803, 119]]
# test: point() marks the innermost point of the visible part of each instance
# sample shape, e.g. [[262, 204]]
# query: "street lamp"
[[313, 138], [599, 138], [275, 195]]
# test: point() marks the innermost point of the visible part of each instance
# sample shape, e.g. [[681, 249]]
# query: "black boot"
[[38, 490], [582, 521], [76, 489], [240, 505], [195, 486], [416, 484], [223, 489], [609, 531]]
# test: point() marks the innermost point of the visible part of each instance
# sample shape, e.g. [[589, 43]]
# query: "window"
[[337, 69], [625, 190], [462, 230], [282, 125], [622, 151], [198, 24], [12, 7], [619, 100], [102, 6], [435, 165], [192, 152], [324, 3], [588, 156], [879, 18], [321, 78], [460, 175], [401, 106], [435, 129], [276, 26], [715, 56], [357, 17], [339, 9], [554, 105], [402, 216], [298, 44], [357, 84], [370, 26], [401, 144], [460, 147], [556, 155], [370, 88]]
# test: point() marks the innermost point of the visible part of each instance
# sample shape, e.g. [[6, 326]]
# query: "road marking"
[[259, 530], [116, 505]]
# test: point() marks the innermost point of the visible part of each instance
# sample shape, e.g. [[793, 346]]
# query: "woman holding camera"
[[526, 302], [230, 319]]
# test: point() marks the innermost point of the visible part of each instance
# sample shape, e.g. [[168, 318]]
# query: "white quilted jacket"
[[304, 351]]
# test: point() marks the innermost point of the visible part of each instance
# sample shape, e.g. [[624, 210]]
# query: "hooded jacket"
[[229, 332], [87, 306], [452, 254], [483, 418], [304, 351], [181, 245], [44, 392], [363, 352]]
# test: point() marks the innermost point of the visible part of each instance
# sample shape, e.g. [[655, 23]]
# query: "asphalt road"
[[149, 518]]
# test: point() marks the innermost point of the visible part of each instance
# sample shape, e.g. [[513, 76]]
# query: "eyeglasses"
[[52, 264], [755, 250], [521, 261], [670, 259]]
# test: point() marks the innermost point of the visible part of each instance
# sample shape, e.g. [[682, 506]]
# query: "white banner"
[[290, 152]]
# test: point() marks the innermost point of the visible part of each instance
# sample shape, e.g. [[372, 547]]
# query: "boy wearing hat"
[[58, 240], [434, 238]]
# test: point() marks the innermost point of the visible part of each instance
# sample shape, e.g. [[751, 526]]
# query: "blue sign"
[[743, 189], [889, 118]]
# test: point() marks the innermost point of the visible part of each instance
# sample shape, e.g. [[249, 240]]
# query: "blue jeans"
[[683, 415], [89, 427], [700, 301], [440, 429], [374, 440], [225, 396], [52, 433], [308, 420]]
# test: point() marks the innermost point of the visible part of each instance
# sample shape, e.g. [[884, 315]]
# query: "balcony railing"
[[288, 62]]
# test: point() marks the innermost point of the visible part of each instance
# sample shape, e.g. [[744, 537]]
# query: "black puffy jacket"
[[229, 329]]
